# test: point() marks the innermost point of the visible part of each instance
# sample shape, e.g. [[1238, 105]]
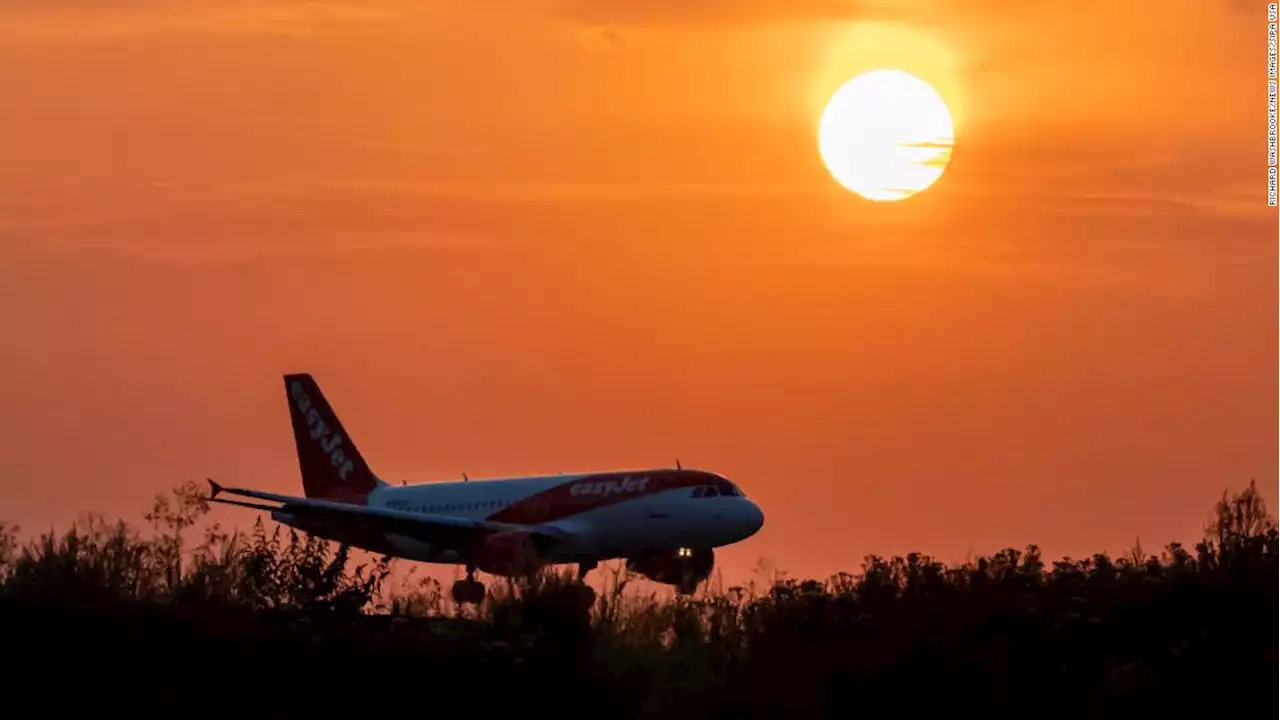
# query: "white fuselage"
[[605, 515]]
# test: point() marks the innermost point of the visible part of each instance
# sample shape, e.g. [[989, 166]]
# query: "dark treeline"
[[272, 624]]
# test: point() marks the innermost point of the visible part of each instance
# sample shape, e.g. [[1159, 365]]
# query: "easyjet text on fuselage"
[[626, 485]]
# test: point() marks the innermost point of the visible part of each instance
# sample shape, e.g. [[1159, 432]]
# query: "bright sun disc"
[[886, 135]]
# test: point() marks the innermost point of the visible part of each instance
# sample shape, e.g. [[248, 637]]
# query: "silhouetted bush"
[[283, 625]]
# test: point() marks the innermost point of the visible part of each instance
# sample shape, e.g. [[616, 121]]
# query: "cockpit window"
[[705, 491]]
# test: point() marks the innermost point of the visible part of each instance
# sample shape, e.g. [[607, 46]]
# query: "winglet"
[[214, 488]]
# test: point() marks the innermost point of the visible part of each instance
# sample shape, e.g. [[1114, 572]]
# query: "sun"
[[886, 135]]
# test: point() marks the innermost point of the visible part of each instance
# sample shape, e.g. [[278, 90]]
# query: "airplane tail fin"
[[332, 468]]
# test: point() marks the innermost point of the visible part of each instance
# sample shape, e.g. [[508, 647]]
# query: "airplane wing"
[[445, 531]]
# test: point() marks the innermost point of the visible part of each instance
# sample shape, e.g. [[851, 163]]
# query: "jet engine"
[[509, 554], [684, 568]]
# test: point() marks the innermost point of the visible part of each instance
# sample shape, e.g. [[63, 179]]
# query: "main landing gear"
[[580, 591], [469, 590], [472, 591]]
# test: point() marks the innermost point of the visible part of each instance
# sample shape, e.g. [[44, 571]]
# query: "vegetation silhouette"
[[283, 625]]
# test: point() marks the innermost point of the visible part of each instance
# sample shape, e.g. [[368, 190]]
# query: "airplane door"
[[665, 518]]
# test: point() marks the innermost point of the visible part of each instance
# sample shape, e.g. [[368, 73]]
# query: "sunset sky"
[[556, 235]]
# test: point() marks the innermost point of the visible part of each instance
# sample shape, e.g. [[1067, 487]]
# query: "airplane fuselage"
[[605, 515], [664, 521]]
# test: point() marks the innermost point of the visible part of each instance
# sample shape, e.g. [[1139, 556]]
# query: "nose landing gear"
[[688, 584]]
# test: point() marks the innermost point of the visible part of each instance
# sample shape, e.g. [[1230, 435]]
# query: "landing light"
[[685, 552]]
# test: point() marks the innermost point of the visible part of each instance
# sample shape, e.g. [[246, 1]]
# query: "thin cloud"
[[122, 19], [721, 13], [605, 38], [541, 192], [657, 13]]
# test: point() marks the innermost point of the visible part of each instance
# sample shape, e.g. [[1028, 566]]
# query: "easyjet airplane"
[[663, 522]]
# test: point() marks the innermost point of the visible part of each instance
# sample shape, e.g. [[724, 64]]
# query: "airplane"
[[664, 522]]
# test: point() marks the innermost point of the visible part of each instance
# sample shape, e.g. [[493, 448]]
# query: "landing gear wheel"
[[579, 593], [468, 591]]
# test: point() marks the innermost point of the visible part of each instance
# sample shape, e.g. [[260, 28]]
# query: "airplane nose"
[[752, 518]]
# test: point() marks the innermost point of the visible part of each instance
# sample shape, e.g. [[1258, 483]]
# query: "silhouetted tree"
[[1010, 631]]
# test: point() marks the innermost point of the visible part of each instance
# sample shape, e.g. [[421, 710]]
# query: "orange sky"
[[550, 236]]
